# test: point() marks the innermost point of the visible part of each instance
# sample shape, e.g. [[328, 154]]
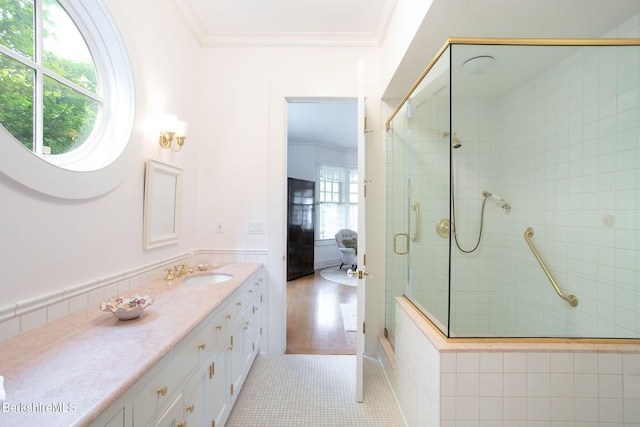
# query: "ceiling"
[[506, 19], [323, 123], [364, 23], [287, 22]]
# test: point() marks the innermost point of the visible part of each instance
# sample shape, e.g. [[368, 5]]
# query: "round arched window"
[[65, 121]]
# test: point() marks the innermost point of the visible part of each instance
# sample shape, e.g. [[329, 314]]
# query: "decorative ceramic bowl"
[[127, 308]]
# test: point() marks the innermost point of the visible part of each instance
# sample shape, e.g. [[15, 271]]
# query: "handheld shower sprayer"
[[497, 198], [485, 195]]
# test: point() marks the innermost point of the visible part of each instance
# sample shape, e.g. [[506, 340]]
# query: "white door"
[[362, 235]]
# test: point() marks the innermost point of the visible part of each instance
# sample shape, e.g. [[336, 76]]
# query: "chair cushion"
[[351, 243]]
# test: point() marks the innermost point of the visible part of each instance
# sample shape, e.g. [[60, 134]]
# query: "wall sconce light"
[[172, 129]]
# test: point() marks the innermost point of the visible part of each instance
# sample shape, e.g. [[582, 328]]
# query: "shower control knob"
[[443, 228]]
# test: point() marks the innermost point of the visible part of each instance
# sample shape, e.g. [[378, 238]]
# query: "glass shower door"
[[419, 152], [397, 260], [428, 204]]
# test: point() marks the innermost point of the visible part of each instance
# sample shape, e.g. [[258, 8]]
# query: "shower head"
[[455, 142], [497, 198]]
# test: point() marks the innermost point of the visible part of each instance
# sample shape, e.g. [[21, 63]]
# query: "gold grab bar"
[[416, 207], [571, 299]]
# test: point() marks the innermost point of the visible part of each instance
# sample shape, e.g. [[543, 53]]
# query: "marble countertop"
[[497, 344], [71, 370]]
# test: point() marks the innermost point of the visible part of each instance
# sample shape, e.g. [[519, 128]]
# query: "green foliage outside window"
[[68, 114]]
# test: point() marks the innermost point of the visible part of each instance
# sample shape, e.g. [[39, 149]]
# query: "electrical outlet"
[[219, 227]]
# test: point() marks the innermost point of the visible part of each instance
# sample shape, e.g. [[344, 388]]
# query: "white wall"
[[234, 162], [244, 169], [302, 159], [48, 243], [407, 17]]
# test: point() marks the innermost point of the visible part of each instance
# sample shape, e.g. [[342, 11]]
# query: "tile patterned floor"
[[313, 390]]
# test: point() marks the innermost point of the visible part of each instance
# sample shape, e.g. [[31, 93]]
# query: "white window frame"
[[101, 163], [344, 197]]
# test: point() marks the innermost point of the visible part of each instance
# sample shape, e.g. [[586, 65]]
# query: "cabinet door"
[[251, 333], [220, 385], [237, 361], [173, 416], [117, 421], [197, 410]]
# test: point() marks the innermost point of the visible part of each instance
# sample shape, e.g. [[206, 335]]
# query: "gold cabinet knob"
[[239, 303], [162, 391], [182, 424], [190, 408], [219, 327], [202, 346], [228, 316]]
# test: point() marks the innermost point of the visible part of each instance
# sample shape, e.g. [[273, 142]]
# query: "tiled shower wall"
[[569, 164], [563, 150]]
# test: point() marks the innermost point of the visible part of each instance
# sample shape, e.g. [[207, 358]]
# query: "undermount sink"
[[207, 279]]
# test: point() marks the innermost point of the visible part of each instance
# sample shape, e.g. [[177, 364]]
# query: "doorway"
[[322, 132]]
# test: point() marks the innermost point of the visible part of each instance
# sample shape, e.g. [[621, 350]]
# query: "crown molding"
[[283, 39]]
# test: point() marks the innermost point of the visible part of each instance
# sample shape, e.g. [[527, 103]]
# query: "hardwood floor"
[[314, 319]]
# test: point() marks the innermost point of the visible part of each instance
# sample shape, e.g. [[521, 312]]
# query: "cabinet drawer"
[[220, 328], [240, 303], [257, 284], [199, 346], [161, 389]]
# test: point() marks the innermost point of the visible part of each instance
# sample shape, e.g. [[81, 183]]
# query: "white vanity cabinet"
[[161, 390], [197, 381], [221, 367], [251, 330], [244, 331]]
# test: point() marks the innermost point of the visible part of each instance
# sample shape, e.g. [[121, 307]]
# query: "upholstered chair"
[[347, 241]]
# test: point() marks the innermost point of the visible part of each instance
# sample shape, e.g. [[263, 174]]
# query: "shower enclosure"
[[514, 190]]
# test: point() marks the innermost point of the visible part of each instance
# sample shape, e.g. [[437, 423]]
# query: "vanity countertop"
[[71, 370]]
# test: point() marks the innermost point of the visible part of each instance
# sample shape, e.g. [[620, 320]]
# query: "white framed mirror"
[[162, 204]]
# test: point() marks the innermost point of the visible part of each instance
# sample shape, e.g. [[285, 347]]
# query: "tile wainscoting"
[[439, 383], [22, 316]]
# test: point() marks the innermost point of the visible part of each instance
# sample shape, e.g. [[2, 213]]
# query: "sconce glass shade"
[[168, 122], [180, 127]]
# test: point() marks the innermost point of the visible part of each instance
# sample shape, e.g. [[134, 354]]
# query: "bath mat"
[[334, 274], [349, 316]]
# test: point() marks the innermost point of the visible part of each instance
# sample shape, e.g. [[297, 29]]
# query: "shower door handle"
[[395, 244], [416, 207]]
